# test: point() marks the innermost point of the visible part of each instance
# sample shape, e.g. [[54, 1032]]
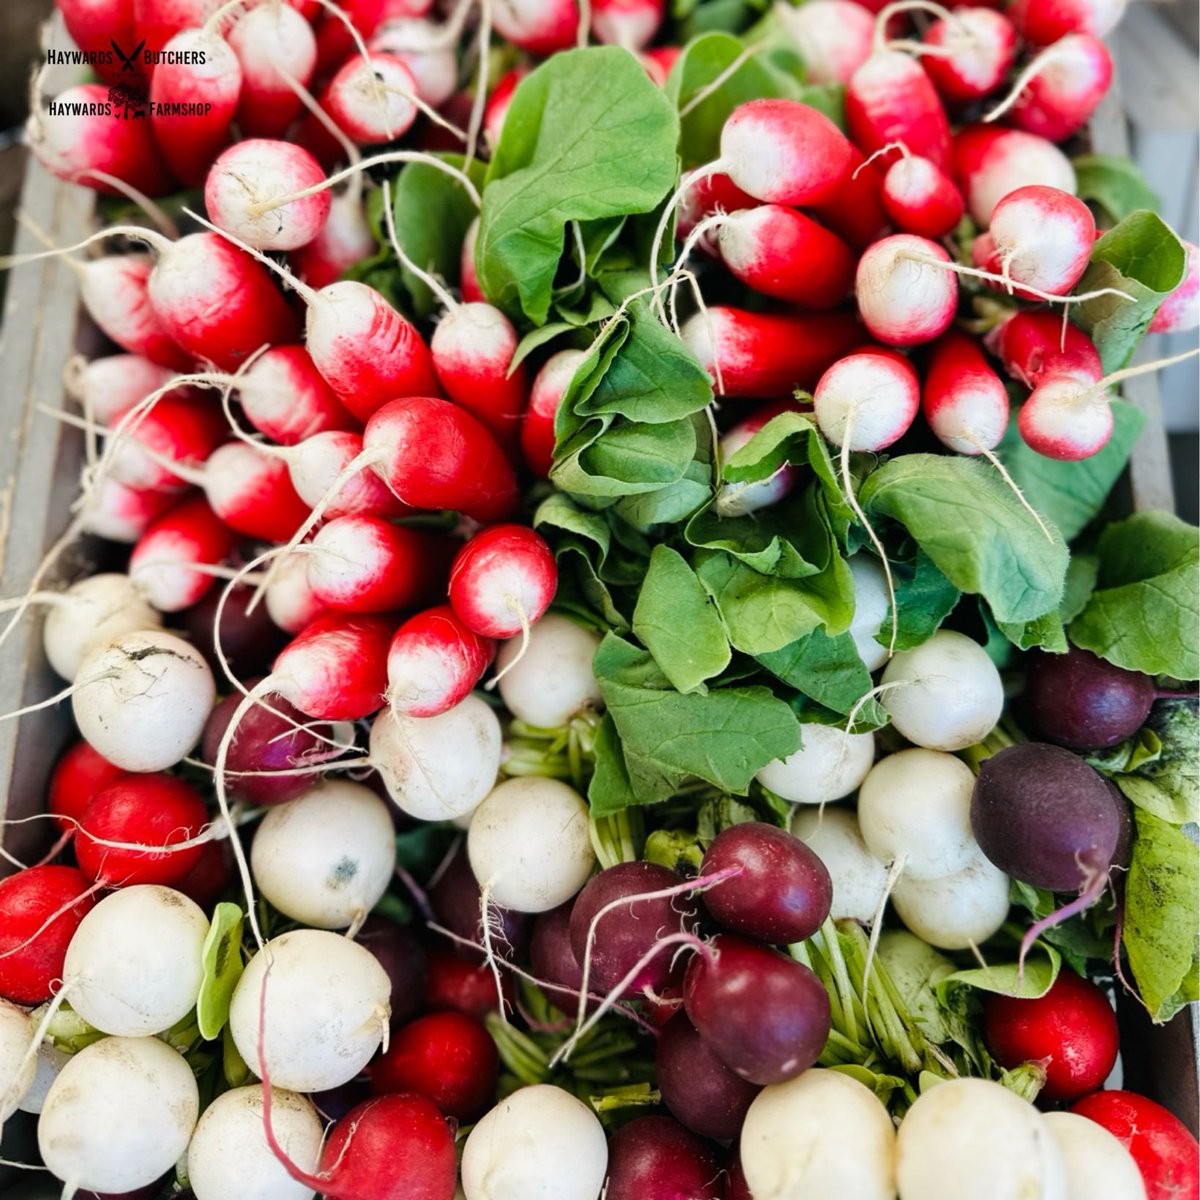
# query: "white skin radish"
[[120, 513], [833, 36], [290, 600], [553, 680], [1097, 1163], [529, 844], [870, 609], [540, 1143], [438, 768], [973, 1137], [133, 967], [952, 694], [17, 1068], [859, 878], [423, 49], [228, 1155], [820, 1134], [902, 300], [914, 809], [326, 858], [89, 613], [326, 1009], [830, 764], [107, 388], [870, 399], [141, 700], [119, 1115], [957, 911]]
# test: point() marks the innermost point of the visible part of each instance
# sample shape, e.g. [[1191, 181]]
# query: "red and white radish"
[[1036, 346], [738, 499], [468, 280], [289, 598], [372, 100], [541, 27], [920, 198], [1059, 91], [167, 563], [424, 50], [537, 424], [891, 99], [977, 46], [120, 513], [963, 400], [498, 103], [345, 239], [320, 460], [502, 581], [1041, 22], [834, 37], [705, 195], [94, 25], [904, 297], [107, 388], [989, 162], [867, 400], [339, 33], [628, 23], [286, 398], [1180, 311], [275, 46], [433, 663]]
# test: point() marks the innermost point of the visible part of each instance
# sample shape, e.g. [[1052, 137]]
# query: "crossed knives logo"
[[131, 98]]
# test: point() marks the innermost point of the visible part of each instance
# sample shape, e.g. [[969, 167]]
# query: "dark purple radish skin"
[[630, 930], [402, 956], [249, 641], [334, 1104], [702, 1093], [266, 740], [655, 1158], [764, 1015], [1080, 701], [455, 899], [781, 891], [736, 1187], [553, 961], [1121, 852]]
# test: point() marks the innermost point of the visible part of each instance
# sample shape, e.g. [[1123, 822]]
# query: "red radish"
[[345, 239], [77, 137], [290, 602], [904, 298], [114, 291], [448, 1057], [1037, 346], [855, 211], [454, 983], [989, 162], [153, 811], [406, 8], [834, 37], [193, 102], [78, 775], [1165, 1152], [502, 581], [867, 400], [123, 514], [704, 196], [1071, 1031], [252, 492], [107, 388], [165, 561], [1061, 89], [433, 662], [700, 1090], [362, 564], [40, 909], [498, 103], [920, 198], [180, 430], [211, 877], [628, 23], [659, 62], [541, 27], [257, 170], [335, 42], [553, 961], [1180, 311], [372, 99], [537, 425], [468, 279], [94, 25], [158, 21], [782, 253], [286, 398], [768, 354], [655, 1158], [1040, 22], [890, 99], [738, 499], [422, 47], [964, 401], [980, 46], [275, 46], [316, 465]]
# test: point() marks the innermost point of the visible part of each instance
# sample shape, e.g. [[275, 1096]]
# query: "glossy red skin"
[[896, 108], [1041, 22], [335, 669], [314, 406], [856, 212], [957, 367], [700, 1090], [1165, 1152], [955, 87], [396, 1147], [78, 776], [28, 900], [553, 961], [938, 212], [94, 25], [736, 1187], [467, 654], [264, 504], [159, 22], [655, 1158], [403, 958], [1031, 347], [782, 892], [457, 984], [448, 1057], [153, 810], [335, 43], [190, 532], [183, 427], [474, 575], [435, 455], [212, 875], [498, 102], [1072, 1029], [660, 1008], [130, 319]]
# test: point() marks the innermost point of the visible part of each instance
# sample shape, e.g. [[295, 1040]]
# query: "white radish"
[[90, 613], [957, 911], [830, 764], [17, 1066], [1097, 1163], [553, 680], [870, 609], [859, 878]]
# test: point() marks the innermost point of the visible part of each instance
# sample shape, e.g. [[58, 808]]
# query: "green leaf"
[[829, 671], [222, 959], [1144, 612], [1115, 184], [588, 136], [535, 339], [1142, 257], [630, 457], [1168, 785], [678, 624], [1159, 933], [1041, 970], [975, 530], [924, 598], [233, 1065], [1070, 494], [673, 503]]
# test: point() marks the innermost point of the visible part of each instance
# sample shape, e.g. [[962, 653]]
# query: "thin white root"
[[1033, 69], [992, 457], [431, 281]]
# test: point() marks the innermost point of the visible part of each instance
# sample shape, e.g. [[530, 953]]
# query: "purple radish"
[[655, 1158], [456, 903], [403, 958], [552, 959]]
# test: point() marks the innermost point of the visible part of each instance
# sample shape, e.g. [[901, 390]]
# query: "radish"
[[973, 1136], [529, 844], [459, 907], [372, 100], [1059, 91], [257, 171], [403, 957], [508, 1156], [738, 499], [438, 768], [454, 983], [133, 967], [94, 25], [326, 858], [17, 1065], [1071, 1030], [951, 695], [822, 1134], [151, 811], [866, 401], [158, 21], [964, 401], [541, 27], [338, 33], [855, 210], [107, 388], [275, 46], [422, 47], [782, 253], [652, 1157], [834, 37], [537, 424], [977, 47], [830, 764], [552, 681], [1040, 22], [956, 911], [1097, 1163], [48, 1063], [78, 775], [119, 1115], [659, 61], [1180, 311], [165, 566], [433, 663], [317, 464], [498, 103], [289, 600], [193, 102], [40, 910], [870, 609], [704, 195], [317, 1019], [141, 700], [989, 162], [90, 613], [628, 23], [228, 1156], [920, 198], [286, 399], [904, 297], [1037, 346], [502, 581], [859, 879], [345, 239], [120, 513], [468, 281], [768, 354]]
